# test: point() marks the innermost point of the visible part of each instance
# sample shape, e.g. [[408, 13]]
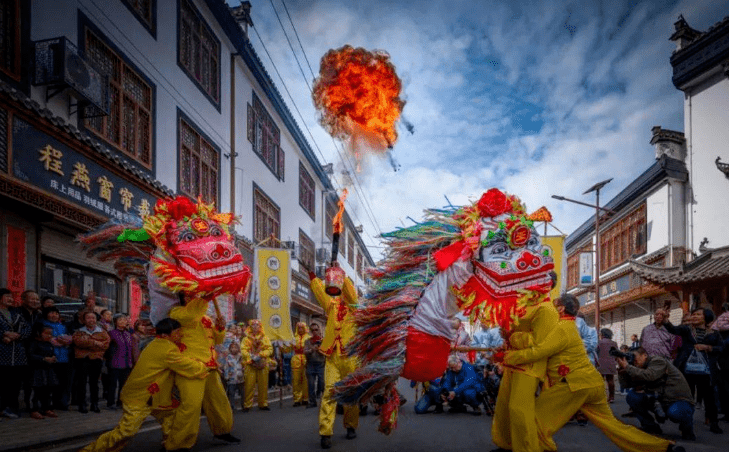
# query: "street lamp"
[[596, 188]]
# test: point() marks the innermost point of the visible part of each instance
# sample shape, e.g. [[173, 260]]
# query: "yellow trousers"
[[513, 425], [255, 376], [299, 384], [556, 405], [336, 368], [128, 426], [196, 394]]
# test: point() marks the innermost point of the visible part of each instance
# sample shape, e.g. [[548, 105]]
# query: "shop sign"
[[586, 268], [45, 162]]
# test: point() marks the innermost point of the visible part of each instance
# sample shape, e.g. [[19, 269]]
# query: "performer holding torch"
[[338, 298]]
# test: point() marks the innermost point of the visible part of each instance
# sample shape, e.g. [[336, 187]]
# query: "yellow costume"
[[200, 336], [152, 377], [339, 330], [513, 424], [575, 384], [298, 365], [256, 351]]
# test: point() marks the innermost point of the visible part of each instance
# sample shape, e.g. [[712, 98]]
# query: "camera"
[[630, 357]]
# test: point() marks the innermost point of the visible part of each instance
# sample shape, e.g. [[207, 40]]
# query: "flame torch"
[[334, 276]]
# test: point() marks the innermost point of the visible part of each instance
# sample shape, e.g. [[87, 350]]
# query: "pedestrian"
[[47, 301], [90, 343], [107, 320], [30, 309], [13, 359], [142, 335], [61, 342], [655, 338], [606, 364], [256, 349], [42, 359], [121, 359], [315, 360], [635, 343], [232, 370], [297, 365]]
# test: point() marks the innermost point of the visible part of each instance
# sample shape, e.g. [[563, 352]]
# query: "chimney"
[[242, 15], [669, 143], [684, 34]]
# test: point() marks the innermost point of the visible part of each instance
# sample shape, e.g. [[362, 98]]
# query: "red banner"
[[16, 262], [135, 300]]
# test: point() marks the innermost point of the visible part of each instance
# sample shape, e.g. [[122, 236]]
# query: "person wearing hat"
[[298, 366], [256, 350]]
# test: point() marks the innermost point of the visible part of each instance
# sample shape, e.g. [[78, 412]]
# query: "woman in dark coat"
[[606, 364], [695, 336]]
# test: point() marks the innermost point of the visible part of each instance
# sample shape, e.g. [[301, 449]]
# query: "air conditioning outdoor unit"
[[289, 244], [320, 270], [322, 254], [60, 65]]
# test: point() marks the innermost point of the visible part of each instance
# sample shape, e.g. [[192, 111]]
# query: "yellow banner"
[[555, 243], [273, 279]]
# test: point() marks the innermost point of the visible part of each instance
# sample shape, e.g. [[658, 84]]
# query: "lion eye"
[[187, 237], [215, 231]]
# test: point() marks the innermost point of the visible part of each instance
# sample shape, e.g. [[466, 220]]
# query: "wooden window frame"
[[620, 242], [14, 36], [266, 216], [200, 149], [200, 56], [360, 264], [148, 19], [350, 248], [307, 252], [330, 210], [265, 136], [307, 191], [114, 128]]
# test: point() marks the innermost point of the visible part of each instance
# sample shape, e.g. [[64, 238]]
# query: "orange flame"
[[337, 225], [358, 93]]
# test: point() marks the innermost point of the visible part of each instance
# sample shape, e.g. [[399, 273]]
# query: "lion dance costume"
[[484, 260], [192, 259]]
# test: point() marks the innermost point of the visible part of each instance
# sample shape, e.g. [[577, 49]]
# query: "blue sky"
[[535, 98]]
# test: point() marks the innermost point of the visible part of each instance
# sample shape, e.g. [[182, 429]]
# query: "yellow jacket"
[[255, 344], [153, 374], [340, 315], [299, 360], [532, 328], [566, 357], [200, 336]]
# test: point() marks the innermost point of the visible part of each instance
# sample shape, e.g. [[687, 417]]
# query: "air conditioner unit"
[[289, 245], [60, 65], [322, 254], [320, 270]]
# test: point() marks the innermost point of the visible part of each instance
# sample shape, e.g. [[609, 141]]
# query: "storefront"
[[55, 183]]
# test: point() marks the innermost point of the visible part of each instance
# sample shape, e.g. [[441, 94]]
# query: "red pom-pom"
[[493, 203], [178, 208]]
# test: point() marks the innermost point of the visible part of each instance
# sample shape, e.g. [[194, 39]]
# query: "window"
[[198, 164], [266, 217], [573, 266], [330, 213], [360, 264], [306, 252], [199, 51], [10, 38], [128, 127], [306, 191], [625, 238], [350, 249], [144, 11], [265, 137]]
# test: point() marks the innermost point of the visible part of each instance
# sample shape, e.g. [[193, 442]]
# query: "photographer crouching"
[[657, 388]]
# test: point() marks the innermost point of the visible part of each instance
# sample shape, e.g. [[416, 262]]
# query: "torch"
[[334, 275]]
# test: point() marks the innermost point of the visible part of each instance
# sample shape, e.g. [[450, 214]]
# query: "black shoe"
[[326, 442], [688, 435], [264, 408], [351, 433], [654, 429], [83, 409], [628, 414], [438, 409], [339, 409], [363, 410], [245, 410], [311, 405], [403, 401], [227, 437], [582, 423], [296, 404], [95, 409], [714, 428], [111, 407], [476, 411]]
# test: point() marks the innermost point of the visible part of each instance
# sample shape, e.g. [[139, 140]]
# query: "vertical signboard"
[[273, 278], [16, 262], [586, 269]]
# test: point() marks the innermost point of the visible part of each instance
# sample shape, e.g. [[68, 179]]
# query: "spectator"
[[61, 342], [655, 338], [315, 361], [605, 362], [90, 342], [13, 360], [30, 309], [76, 322], [653, 379], [635, 343], [463, 385], [287, 353], [256, 349], [721, 325], [232, 370], [47, 302], [121, 359], [106, 321], [588, 335], [42, 358], [430, 397], [297, 365], [90, 304], [699, 342], [142, 335], [462, 341], [623, 388]]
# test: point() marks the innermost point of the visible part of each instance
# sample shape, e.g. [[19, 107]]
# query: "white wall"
[[657, 219]]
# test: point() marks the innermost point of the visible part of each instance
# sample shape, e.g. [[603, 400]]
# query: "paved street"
[[295, 429]]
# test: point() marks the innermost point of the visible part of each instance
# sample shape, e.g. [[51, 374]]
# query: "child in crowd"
[[232, 370], [61, 342], [43, 377]]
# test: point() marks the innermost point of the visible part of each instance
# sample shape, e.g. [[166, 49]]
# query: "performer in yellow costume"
[[339, 330], [513, 426], [575, 384], [256, 350], [199, 338], [298, 366], [152, 377]]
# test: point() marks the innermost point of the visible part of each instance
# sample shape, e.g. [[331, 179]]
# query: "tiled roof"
[[24, 101], [713, 264]]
